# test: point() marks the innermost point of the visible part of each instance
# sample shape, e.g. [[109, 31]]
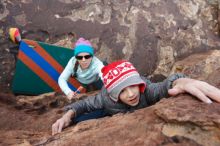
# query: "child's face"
[[130, 95]]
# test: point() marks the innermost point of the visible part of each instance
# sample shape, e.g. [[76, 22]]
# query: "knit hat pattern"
[[119, 75], [82, 45]]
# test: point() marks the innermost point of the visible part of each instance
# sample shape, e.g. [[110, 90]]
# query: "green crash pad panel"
[[38, 68]]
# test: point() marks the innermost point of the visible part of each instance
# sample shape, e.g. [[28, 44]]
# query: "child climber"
[[125, 90], [83, 66]]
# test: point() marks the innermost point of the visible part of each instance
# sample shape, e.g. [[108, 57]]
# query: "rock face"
[[151, 34], [159, 37], [182, 121], [203, 66], [176, 121]]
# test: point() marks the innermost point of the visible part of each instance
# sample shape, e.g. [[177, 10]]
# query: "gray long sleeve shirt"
[[152, 94]]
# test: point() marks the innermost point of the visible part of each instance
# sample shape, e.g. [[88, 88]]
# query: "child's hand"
[[62, 122], [202, 90]]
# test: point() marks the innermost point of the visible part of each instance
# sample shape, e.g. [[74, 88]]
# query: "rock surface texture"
[[159, 37], [152, 34], [175, 121]]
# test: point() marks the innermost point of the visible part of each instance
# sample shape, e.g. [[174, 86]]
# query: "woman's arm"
[[63, 78]]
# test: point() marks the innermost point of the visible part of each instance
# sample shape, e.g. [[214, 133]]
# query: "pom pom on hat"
[[82, 41], [83, 45], [119, 75]]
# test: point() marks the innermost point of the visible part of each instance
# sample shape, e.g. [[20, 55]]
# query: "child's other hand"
[[62, 122], [202, 90]]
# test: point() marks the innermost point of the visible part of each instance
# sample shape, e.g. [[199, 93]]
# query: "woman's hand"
[[62, 122], [75, 94], [202, 90], [72, 95]]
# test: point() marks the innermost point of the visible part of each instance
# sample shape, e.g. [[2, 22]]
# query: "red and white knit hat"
[[119, 75]]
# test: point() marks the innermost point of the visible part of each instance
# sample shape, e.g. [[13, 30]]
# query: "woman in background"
[[84, 67]]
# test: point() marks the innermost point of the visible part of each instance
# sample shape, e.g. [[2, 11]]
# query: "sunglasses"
[[81, 57]]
